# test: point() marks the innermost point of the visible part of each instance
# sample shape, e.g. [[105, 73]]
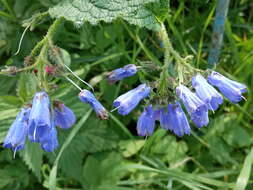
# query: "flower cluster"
[[197, 103], [38, 121]]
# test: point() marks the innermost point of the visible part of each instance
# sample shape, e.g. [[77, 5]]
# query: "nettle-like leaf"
[[93, 11], [32, 156]]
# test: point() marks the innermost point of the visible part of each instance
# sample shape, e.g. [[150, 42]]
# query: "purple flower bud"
[[39, 119], [49, 142], [146, 122], [206, 92], [87, 97], [128, 101], [64, 117], [196, 108], [17, 133], [174, 119], [119, 74], [232, 90]]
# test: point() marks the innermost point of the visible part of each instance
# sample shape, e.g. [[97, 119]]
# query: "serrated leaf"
[[71, 160], [100, 170], [79, 11], [32, 156], [96, 137]]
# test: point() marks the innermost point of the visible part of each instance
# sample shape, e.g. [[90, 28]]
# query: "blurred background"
[[108, 154]]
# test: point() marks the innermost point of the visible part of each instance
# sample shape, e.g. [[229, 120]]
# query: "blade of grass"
[[243, 178]]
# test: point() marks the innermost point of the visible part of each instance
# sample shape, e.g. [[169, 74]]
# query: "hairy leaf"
[[93, 11]]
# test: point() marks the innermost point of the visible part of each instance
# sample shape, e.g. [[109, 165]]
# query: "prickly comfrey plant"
[[167, 99], [39, 117]]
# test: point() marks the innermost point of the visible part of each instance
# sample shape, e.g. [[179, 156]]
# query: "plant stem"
[[50, 34], [168, 49]]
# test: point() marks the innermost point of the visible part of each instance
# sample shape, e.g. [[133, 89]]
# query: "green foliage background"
[[101, 155]]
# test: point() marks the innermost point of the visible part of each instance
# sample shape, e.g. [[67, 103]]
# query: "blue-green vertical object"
[[218, 30]]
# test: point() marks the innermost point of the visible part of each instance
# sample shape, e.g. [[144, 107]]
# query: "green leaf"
[[5, 179], [79, 11], [27, 86], [99, 138], [101, 169], [220, 150], [32, 156], [131, 147], [168, 148], [237, 136], [72, 158]]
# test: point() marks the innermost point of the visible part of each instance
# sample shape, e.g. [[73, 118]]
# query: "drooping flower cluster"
[[197, 103], [38, 121]]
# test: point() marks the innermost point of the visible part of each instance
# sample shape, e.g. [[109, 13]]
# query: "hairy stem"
[[168, 49], [50, 34]]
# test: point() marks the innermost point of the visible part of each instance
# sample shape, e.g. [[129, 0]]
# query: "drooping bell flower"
[[128, 101], [64, 116], [206, 92], [16, 136], [196, 108], [146, 122], [39, 119], [87, 97], [49, 142], [176, 120], [120, 73], [232, 90]]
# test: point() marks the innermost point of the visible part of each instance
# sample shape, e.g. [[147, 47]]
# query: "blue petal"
[[64, 117], [119, 74], [39, 119], [206, 92], [17, 133], [191, 102], [200, 118], [165, 121], [50, 142], [146, 122], [128, 101], [87, 97], [177, 120], [197, 109], [232, 90]]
